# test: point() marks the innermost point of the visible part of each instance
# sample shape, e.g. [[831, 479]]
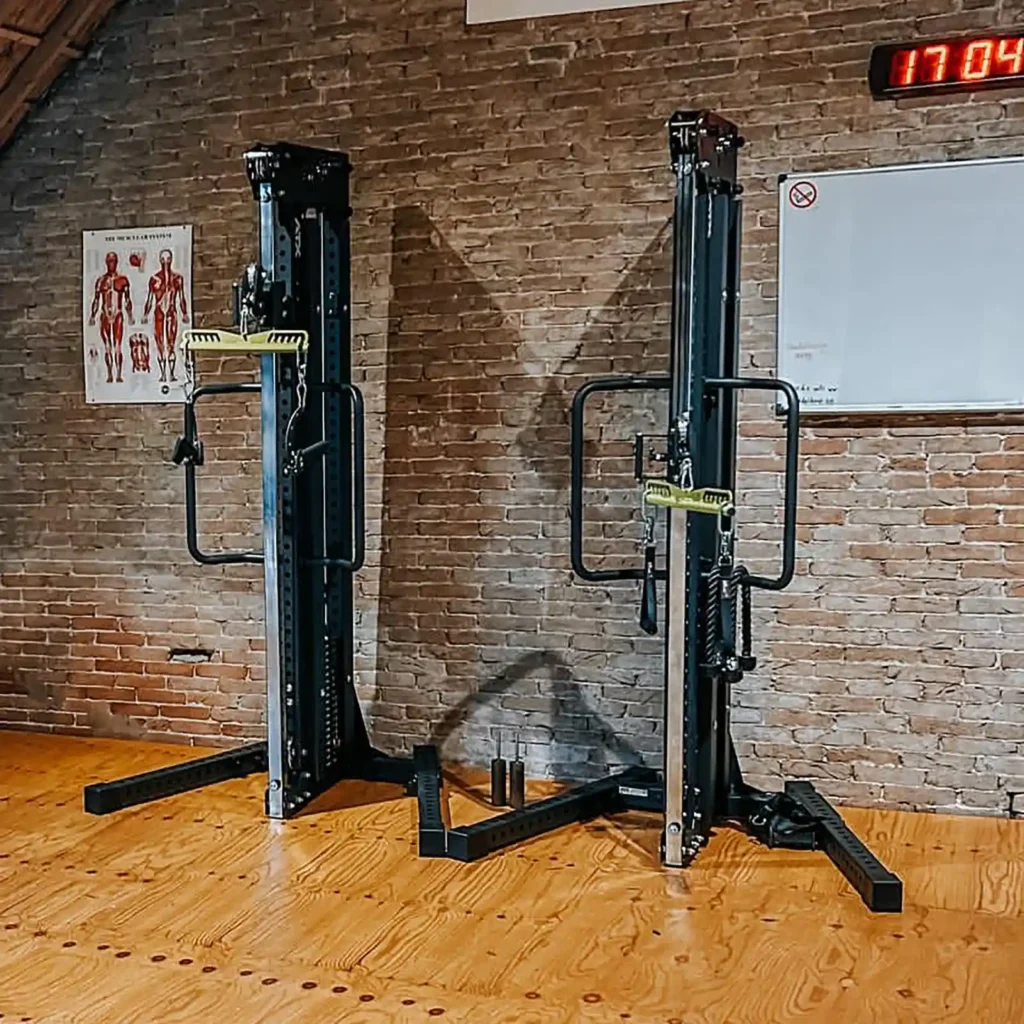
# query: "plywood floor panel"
[[198, 909]]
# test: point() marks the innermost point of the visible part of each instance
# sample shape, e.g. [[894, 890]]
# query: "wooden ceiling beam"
[[7, 8], [16, 35], [38, 70]]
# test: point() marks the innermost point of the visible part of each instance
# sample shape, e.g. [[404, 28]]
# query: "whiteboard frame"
[[908, 409], [486, 12]]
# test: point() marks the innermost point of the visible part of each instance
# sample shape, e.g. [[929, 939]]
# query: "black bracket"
[[711, 143]]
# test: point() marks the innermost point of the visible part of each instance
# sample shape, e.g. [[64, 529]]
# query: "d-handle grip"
[[649, 598]]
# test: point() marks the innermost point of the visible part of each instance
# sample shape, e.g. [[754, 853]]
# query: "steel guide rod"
[[678, 458], [270, 430]]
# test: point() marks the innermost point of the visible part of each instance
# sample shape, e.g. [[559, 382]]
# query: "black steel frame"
[[710, 601], [313, 522], [313, 539]]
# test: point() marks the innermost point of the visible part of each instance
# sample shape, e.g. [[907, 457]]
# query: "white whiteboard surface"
[[902, 288]]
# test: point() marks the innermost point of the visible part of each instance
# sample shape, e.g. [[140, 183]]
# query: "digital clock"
[[946, 65]]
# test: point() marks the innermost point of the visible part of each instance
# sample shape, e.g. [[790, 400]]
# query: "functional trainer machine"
[[292, 309], [707, 621]]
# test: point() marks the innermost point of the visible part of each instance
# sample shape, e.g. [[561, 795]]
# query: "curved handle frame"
[[191, 512], [652, 383], [781, 387]]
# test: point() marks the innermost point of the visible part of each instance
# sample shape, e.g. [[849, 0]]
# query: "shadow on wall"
[[567, 700], [627, 334], [477, 627]]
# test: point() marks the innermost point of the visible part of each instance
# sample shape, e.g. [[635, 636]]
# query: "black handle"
[[649, 598], [354, 563], [653, 383], [191, 443], [781, 581]]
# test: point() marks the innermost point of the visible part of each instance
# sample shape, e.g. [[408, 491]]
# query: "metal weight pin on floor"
[[499, 781]]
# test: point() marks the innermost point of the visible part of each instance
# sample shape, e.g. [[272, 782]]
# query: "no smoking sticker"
[[803, 195]]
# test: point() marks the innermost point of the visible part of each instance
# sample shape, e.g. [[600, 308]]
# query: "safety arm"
[[189, 452], [782, 387], [652, 383]]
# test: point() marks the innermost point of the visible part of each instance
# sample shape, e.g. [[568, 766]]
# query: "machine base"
[[798, 818]]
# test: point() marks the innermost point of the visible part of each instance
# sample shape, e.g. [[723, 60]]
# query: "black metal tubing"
[[643, 789], [191, 513], [880, 889], [652, 383], [781, 581], [380, 767], [106, 797], [355, 563], [471, 842], [429, 793]]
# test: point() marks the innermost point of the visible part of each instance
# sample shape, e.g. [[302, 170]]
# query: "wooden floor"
[[199, 910]]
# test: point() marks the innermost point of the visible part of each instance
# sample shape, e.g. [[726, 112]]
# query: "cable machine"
[[292, 311], [707, 619]]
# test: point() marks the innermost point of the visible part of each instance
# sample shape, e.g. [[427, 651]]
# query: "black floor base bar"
[[813, 823], [642, 790], [107, 797], [380, 767], [471, 842], [429, 795], [880, 889]]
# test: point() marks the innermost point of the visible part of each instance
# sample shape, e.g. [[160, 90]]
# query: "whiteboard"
[[902, 288]]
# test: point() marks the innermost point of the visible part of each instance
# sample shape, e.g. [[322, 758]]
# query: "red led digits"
[[1010, 56], [959, 62], [977, 60], [939, 64], [904, 67]]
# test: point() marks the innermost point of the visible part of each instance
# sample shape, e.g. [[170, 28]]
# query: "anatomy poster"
[[136, 303]]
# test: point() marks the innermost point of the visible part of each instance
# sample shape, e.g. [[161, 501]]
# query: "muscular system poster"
[[136, 302]]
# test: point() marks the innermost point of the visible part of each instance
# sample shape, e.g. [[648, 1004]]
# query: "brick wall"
[[511, 205]]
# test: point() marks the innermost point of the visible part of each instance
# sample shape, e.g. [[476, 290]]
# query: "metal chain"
[[294, 463], [649, 524], [190, 373], [687, 474], [301, 386], [725, 547]]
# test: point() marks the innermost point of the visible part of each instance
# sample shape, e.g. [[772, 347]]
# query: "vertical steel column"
[[680, 369], [271, 474], [275, 697]]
